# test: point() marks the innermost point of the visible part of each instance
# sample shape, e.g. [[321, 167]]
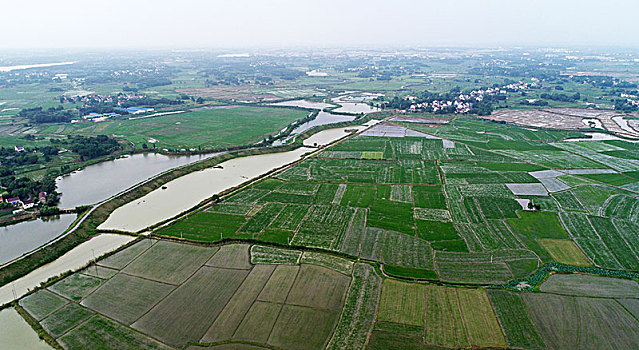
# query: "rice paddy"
[[340, 251], [237, 297]]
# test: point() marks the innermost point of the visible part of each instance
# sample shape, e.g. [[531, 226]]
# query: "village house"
[[42, 197], [28, 204], [15, 201], [19, 148]]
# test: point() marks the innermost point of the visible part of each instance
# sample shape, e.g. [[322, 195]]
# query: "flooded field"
[[355, 104], [187, 191], [72, 260], [21, 238], [304, 104], [539, 119], [15, 332], [597, 136], [356, 108], [100, 181], [323, 118], [568, 119], [325, 137]]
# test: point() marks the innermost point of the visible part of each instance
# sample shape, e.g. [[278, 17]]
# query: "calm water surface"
[[15, 240], [98, 182]]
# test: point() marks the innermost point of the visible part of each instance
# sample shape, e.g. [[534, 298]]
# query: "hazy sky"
[[246, 23]]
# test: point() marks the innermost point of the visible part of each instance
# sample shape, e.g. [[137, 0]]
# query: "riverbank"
[[74, 259], [88, 227]]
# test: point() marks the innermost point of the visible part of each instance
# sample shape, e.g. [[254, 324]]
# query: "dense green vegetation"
[[437, 229]]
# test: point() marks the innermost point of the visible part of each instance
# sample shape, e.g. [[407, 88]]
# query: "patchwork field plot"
[[143, 293], [566, 322], [401, 198], [449, 317], [254, 297], [224, 298], [586, 285], [564, 251], [514, 319], [358, 314]]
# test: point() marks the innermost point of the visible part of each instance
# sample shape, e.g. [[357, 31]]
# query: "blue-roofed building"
[[100, 115], [135, 110]]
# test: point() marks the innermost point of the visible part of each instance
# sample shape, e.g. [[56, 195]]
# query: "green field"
[[565, 252], [430, 230], [212, 128], [259, 295], [395, 210]]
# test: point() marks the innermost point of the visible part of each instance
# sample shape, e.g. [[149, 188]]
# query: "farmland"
[[424, 199], [476, 214], [193, 129], [259, 295], [518, 229], [223, 297]]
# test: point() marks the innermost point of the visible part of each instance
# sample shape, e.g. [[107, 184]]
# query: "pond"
[[304, 104], [15, 332], [21, 238], [98, 182]]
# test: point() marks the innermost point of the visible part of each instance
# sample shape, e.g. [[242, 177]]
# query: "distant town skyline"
[[289, 23]]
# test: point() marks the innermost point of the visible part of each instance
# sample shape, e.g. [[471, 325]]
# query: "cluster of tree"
[[199, 100], [142, 78], [483, 107], [246, 71], [602, 82], [26, 188], [103, 107], [623, 105], [561, 97], [148, 101], [50, 115], [538, 103], [398, 103], [149, 82], [22, 158], [546, 73], [89, 147]]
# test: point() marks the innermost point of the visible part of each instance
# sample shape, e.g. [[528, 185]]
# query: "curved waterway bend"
[[100, 181], [189, 190], [91, 185]]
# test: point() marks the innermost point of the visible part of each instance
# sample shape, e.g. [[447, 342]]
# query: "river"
[[328, 136], [72, 260], [91, 185], [27, 66], [322, 118], [355, 104], [187, 191], [98, 182], [101, 181]]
